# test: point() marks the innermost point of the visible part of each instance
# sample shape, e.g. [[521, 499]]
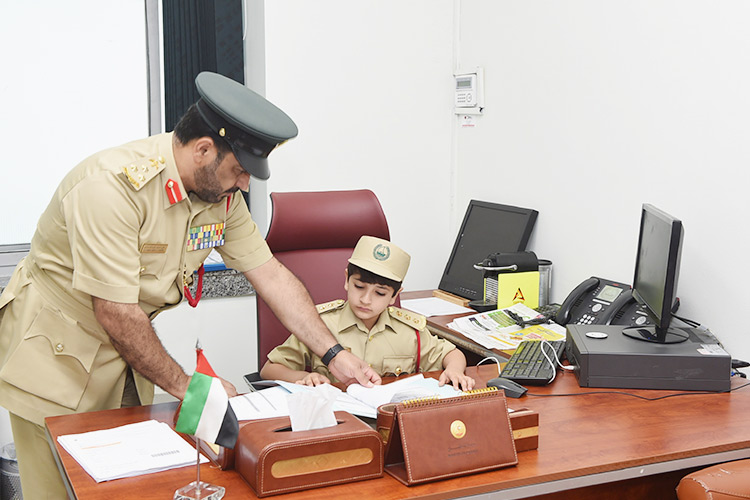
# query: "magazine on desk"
[[497, 330]]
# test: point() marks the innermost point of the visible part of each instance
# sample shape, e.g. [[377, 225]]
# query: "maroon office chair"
[[313, 234]]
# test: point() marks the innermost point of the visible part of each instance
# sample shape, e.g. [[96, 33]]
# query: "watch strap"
[[331, 353]]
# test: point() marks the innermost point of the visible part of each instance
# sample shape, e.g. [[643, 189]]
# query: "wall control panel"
[[466, 90]]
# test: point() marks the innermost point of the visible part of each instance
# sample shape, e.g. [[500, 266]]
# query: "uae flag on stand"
[[206, 412]]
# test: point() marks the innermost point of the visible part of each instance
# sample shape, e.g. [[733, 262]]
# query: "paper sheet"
[[272, 402], [416, 386], [434, 306], [129, 450]]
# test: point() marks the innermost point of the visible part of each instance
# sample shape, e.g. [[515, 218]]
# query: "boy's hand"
[[458, 379], [313, 379]]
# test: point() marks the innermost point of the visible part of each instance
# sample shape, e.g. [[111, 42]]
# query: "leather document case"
[[433, 439], [273, 459], [523, 422]]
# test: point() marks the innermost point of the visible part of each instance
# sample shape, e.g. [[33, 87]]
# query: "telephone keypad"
[[587, 319]]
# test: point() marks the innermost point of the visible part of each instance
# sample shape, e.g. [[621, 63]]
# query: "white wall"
[[592, 108], [369, 86], [605, 106], [226, 329], [74, 82]]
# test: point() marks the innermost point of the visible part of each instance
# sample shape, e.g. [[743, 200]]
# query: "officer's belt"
[[53, 295]]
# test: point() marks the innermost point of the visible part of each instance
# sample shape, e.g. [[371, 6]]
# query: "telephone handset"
[[595, 301]]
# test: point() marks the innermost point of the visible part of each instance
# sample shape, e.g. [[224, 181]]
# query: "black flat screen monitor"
[[657, 269], [487, 228]]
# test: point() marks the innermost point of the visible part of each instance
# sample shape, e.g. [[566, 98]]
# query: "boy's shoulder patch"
[[330, 306], [410, 318], [141, 171]]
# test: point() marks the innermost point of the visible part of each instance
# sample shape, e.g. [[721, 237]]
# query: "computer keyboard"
[[528, 366]]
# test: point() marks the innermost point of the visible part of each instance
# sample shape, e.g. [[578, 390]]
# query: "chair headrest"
[[324, 219]]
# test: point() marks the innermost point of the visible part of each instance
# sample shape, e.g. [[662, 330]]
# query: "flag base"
[[206, 491]]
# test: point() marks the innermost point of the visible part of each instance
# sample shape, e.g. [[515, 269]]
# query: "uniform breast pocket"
[[62, 356], [397, 365], [152, 264]]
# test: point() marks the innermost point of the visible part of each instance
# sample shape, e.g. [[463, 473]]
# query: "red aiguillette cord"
[[198, 292]]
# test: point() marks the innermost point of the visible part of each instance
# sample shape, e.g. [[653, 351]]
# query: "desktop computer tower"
[[616, 361]]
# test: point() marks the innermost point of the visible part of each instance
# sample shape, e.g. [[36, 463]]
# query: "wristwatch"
[[332, 352]]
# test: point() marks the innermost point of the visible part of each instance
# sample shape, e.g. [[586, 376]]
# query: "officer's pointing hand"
[[349, 369]]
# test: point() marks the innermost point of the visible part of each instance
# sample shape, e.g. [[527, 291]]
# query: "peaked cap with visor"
[[252, 126]]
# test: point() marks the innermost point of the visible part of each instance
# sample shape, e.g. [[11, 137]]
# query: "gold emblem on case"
[[458, 429]]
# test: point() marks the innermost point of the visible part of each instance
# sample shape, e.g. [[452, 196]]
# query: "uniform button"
[[143, 269], [161, 159], [59, 347], [398, 370], [369, 364]]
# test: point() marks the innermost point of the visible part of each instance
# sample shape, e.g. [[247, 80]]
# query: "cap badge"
[[381, 252], [222, 132]]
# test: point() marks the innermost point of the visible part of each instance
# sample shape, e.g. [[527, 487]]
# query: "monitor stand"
[[656, 335]]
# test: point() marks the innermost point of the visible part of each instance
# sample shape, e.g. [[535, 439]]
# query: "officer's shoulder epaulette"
[[410, 318], [330, 306], [141, 171]]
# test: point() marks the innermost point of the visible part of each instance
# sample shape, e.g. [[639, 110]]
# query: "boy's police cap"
[[250, 124], [381, 257]]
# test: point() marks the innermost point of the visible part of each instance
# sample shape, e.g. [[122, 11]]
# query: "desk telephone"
[[599, 301]]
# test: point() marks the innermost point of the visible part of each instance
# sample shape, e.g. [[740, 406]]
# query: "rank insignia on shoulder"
[[143, 170], [330, 306], [410, 318]]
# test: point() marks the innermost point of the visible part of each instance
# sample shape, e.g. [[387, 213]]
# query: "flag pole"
[[197, 490], [198, 443], [198, 468]]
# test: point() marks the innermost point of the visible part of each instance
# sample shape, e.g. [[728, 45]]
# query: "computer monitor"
[[487, 228], [657, 269]]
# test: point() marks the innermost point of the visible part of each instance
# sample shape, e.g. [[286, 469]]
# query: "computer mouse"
[[511, 389]]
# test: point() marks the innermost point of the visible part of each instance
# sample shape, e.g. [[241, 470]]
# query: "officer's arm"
[[291, 303], [134, 338]]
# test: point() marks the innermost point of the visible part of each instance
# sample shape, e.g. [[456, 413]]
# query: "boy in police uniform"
[[393, 341]]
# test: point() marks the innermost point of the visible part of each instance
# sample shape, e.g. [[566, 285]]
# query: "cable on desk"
[[490, 358], [697, 393]]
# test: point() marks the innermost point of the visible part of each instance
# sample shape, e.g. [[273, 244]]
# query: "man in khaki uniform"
[[118, 244], [391, 340]]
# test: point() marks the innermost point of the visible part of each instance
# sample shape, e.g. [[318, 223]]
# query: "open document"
[[272, 402], [129, 450], [357, 400], [413, 387], [497, 330]]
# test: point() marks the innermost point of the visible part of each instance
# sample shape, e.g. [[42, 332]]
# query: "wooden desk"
[[600, 445]]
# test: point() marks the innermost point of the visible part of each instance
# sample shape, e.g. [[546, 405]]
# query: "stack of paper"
[[130, 450], [413, 387], [496, 329], [271, 402], [357, 400]]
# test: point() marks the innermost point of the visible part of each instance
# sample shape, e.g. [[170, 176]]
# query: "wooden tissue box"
[[274, 460]]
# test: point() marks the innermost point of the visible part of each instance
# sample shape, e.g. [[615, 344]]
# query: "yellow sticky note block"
[[513, 288]]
